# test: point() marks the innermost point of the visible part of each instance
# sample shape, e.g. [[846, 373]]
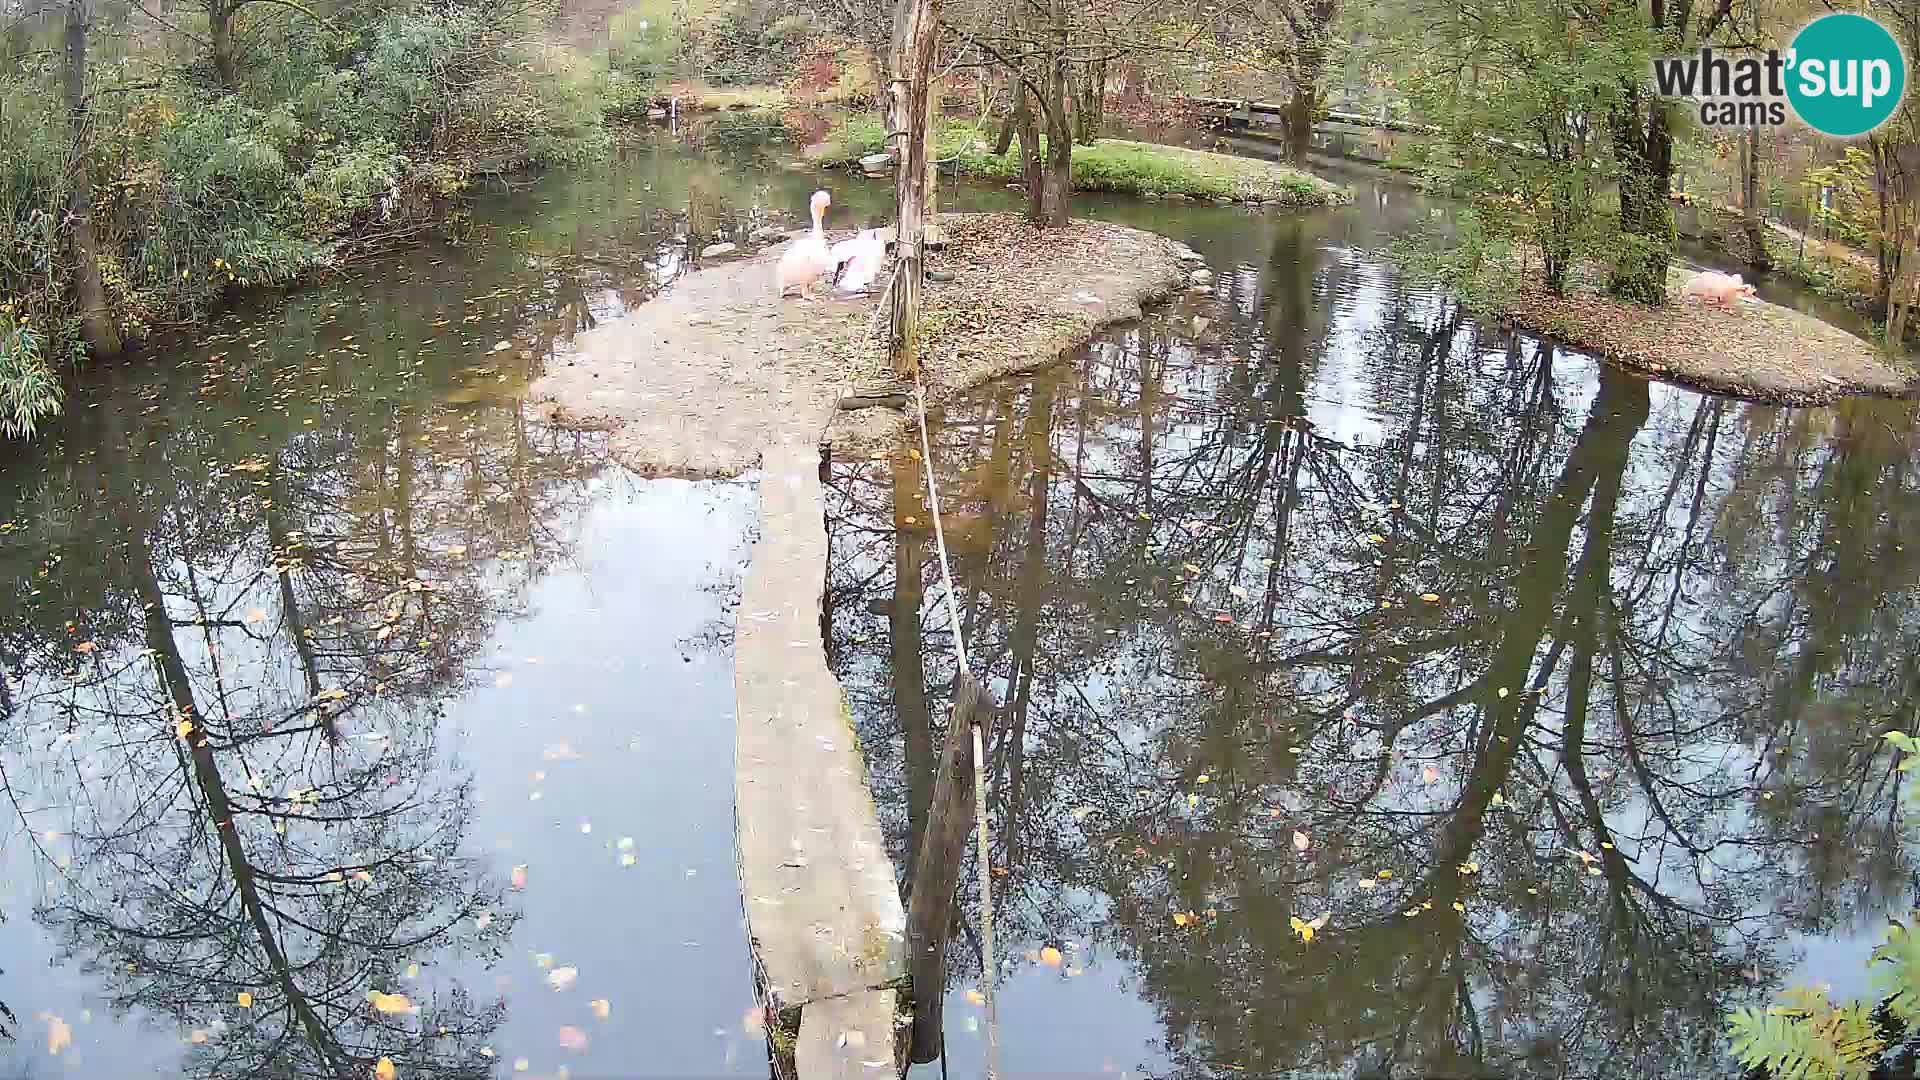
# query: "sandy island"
[[1758, 351], [700, 379]]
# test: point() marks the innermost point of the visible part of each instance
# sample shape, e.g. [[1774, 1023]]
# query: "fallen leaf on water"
[[625, 844], [519, 876], [562, 978], [1301, 840], [486, 1052], [601, 1007], [246, 1000], [1306, 928], [389, 1003], [519, 1064], [1202, 778], [573, 1038], [560, 751], [975, 997], [183, 729], [1193, 800], [1503, 691], [255, 615], [1181, 918], [1497, 800], [1190, 568], [85, 647], [1430, 774], [384, 1070], [1080, 812], [1050, 956], [754, 1020], [59, 1035], [503, 680], [1431, 598], [627, 859], [1386, 875], [413, 971], [1367, 883]]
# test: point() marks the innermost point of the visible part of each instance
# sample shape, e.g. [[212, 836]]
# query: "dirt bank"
[[1759, 351], [700, 379]]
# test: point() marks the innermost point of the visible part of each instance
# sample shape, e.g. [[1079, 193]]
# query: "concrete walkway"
[[823, 907]]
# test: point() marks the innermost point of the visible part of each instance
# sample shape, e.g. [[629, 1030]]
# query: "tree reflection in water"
[[1559, 692], [226, 662]]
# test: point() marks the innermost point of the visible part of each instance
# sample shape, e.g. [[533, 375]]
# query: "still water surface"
[[457, 709]]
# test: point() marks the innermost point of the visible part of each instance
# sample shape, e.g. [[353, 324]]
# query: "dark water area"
[[1556, 693], [347, 711]]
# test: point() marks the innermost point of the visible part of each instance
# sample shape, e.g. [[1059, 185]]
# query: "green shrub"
[[1808, 1036], [29, 390]]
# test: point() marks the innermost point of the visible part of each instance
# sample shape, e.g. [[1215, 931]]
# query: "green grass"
[[1115, 165]]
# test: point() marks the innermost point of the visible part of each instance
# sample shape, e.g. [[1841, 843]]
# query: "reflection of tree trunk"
[[1599, 459], [1031, 597], [289, 602], [909, 664], [179, 690]]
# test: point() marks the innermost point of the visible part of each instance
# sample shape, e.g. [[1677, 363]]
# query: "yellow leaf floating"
[[246, 1000], [1431, 598], [975, 997], [1497, 800], [384, 1070], [1050, 956], [183, 729], [1305, 928], [1301, 841], [389, 1003], [601, 1007]]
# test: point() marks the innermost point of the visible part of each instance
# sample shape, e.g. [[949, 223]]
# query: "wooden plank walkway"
[[823, 907]]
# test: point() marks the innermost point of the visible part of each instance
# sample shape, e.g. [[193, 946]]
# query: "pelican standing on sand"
[[809, 259]]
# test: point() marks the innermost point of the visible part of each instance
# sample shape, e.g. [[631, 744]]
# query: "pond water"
[[350, 712]]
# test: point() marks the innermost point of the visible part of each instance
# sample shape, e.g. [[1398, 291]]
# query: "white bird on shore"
[[857, 261], [809, 259]]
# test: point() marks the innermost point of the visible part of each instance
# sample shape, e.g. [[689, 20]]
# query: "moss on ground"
[[1114, 165]]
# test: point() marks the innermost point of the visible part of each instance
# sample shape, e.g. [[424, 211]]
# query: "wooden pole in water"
[[936, 868], [915, 31]]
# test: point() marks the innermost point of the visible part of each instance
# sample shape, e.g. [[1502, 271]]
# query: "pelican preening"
[[857, 261]]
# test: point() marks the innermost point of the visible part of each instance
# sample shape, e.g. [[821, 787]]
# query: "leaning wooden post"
[[916, 25], [936, 868]]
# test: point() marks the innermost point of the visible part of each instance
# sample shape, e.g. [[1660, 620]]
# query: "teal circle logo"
[[1845, 75]]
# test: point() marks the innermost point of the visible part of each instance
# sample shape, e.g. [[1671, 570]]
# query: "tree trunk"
[[1900, 293], [937, 865], [220, 33], [1298, 123], [1028, 128], [1058, 181], [1752, 219], [915, 26], [1092, 89], [1644, 147], [96, 318]]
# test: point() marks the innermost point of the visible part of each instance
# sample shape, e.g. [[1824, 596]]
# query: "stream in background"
[[1336, 603]]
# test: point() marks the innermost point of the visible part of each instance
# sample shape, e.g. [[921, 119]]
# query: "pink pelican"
[[809, 259]]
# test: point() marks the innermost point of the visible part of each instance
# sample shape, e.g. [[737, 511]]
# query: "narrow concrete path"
[[823, 908]]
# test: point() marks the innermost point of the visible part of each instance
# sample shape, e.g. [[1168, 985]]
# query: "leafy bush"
[[1808, 1036], [364, 124]]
